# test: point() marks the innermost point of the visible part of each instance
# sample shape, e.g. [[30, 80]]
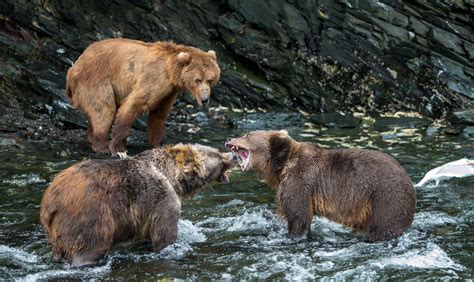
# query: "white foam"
[[17, 255], [25, 180], [433, 257], [187, 235], [234, 202], [429, 257], [297, 266], [260, 219], [78, 273], [430, 219]]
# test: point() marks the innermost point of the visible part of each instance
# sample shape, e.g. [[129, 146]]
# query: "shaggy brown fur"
[[116, 80], [366, 190], [97, 203]]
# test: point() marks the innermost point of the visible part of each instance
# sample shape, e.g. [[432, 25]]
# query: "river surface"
[[232, 232]]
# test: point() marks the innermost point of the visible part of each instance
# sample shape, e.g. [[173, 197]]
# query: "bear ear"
[[184, 57], [186, 158], [283, 133], [212, 54]]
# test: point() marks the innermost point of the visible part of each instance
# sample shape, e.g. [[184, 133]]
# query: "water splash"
[[16, 255], [66, 272]]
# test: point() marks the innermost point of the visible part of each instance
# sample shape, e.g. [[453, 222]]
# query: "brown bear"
[[116, 80], [94, 204], [365, 190]]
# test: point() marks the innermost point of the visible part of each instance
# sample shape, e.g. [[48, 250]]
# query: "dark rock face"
[[315, 56]]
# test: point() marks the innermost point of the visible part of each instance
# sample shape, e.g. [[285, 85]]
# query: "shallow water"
[[231, 231]]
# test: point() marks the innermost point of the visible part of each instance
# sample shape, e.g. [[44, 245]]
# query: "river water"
[[231, 231]]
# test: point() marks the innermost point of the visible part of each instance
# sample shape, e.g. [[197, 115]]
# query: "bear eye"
[[198, 81], [209, 81]]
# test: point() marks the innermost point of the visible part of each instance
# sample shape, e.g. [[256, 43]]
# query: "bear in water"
[[94, 204], [365, 190]]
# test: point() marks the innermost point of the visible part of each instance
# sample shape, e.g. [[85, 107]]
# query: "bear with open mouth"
[[97, 203], [366, 190]]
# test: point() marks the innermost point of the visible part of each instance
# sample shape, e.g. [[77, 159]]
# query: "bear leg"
[[99, 142], [100, 127], [387, 221], [58, 254], [124, 119], [164, 229], [295, 205], [157, 119], [97, 101]]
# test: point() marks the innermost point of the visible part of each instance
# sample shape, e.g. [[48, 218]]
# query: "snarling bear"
[[366, 190]]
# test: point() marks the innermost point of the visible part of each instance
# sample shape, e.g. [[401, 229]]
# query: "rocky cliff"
[[315, 56]]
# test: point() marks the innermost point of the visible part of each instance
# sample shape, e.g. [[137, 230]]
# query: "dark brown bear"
[[94, 204], [366, 190]]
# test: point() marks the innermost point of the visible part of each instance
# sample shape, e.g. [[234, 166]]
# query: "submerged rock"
[[383, 123], [468, 132], [335, 120]]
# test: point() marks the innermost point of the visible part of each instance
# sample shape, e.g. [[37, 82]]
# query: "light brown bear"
[[97, 203], [363, 189], [116, 80]]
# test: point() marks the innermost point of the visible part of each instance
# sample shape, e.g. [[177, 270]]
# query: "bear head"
[[261, 150], [199, 74], [202, 162]]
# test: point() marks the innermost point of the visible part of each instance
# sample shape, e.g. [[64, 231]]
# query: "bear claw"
[[122, 155]]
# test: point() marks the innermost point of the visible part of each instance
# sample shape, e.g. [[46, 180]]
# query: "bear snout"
[[205, 97]]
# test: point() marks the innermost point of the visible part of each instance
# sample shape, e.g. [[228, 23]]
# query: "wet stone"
[[383, 123], [201, 117], [454, 129], [7, 142], [270, 121], [469, 132], [462, 117], [431, 131], [448, 40], [335, 120]]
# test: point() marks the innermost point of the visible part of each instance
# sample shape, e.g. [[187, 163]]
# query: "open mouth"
[[242, 154]]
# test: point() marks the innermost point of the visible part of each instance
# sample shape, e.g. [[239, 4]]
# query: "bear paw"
[[118, 149]]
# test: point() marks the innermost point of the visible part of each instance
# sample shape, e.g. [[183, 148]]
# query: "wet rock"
[[384, 123], [447, 39], [454, 129], [7, 142], [462, 117], [270, 121], [335, 120], [274, 53], [201, 117], [468, 132], [432, 131]]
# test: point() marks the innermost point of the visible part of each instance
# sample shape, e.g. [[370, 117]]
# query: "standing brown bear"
[[366, 190], [116, 80], [97, 203]]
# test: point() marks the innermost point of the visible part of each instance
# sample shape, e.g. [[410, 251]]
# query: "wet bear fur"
[[95, 204]]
